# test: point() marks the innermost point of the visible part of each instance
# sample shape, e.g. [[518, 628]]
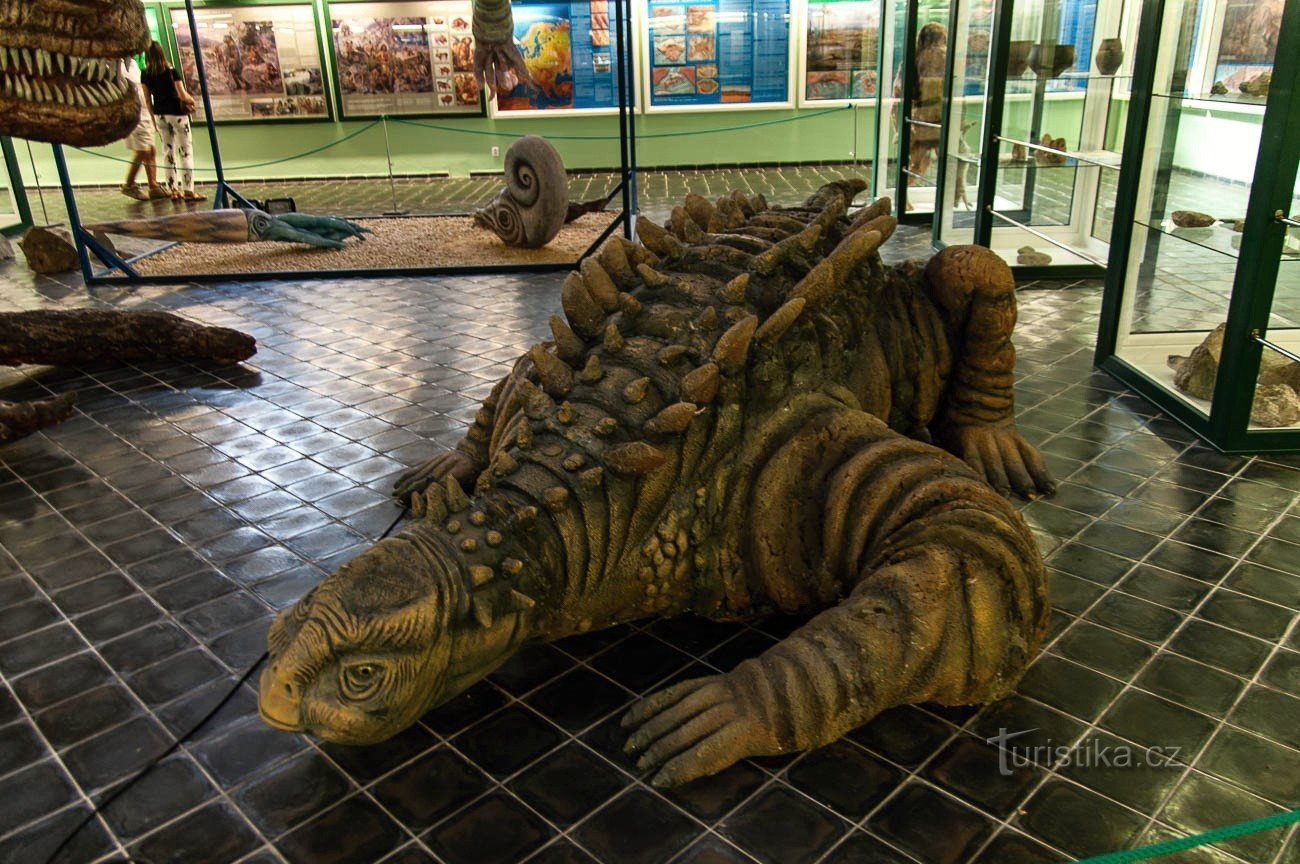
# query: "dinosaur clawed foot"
[[1003, 457], [694, 729], [452, 463]]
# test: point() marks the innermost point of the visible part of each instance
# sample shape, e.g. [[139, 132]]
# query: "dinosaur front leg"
[[950, 607], [471, 454], [976, 295]]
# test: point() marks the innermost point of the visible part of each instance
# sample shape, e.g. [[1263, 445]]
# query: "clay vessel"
[[1110, 56], [1043, 66], [1017, 55]]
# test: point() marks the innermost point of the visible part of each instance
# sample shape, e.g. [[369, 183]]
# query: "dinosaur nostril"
[[288, 690]]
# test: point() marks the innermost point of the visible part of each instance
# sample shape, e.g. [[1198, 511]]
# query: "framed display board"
[[840, 46], [569, 48], [404, 58], [262, 62], [1246, 45], [703, 54]]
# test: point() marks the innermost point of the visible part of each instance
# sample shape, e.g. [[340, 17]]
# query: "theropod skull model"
[[715, 430], [59, 77]]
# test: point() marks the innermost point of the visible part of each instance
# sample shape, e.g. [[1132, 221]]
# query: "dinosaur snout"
[[280, 700]]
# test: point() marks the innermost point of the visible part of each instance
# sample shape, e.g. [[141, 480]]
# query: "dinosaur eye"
[[360, 680]]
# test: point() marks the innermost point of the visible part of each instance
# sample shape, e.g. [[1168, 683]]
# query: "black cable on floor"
[[96, 809]]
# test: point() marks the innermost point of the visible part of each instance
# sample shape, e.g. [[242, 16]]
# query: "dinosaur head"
[[59, 76], [387, 637]]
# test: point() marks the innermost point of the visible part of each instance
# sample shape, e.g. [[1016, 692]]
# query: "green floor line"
[[1168, 847]]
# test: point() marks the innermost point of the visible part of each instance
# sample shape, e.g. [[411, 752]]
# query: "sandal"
[[193, 196], [157, 192], [131, 190]]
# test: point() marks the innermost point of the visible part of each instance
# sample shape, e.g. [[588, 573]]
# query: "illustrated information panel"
[[261, 62], [568, 49], [720, 52], [404, 58], [843, 45]]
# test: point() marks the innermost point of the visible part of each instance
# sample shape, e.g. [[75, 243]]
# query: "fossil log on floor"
[[18, 419], [79, 336], [709, 431]]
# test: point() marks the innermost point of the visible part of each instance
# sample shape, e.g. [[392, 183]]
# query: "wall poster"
[[1248, 42], [570, 55], [843, 48], [404, 58], [261, 62], [719, 52]]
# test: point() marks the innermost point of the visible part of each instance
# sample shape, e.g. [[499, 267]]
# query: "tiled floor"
[[148, 541]]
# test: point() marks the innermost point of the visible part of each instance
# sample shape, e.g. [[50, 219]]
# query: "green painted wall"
[[688, 139]]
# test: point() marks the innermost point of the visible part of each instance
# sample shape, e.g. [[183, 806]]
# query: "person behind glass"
[[140, 143], [171, 106]]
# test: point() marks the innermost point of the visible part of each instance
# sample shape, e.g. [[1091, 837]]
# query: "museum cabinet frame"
[[892, 174], [1000, 184], [16, 215], [1168, 286]]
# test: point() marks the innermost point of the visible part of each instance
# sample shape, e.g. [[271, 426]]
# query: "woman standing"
[[171, 107]]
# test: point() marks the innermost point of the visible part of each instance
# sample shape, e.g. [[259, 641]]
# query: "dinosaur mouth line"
[[36, 75]]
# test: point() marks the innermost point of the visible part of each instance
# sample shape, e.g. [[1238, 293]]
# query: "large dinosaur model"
[[710, 432]]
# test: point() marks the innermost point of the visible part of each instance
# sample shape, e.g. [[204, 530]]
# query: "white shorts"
[[141, 138]]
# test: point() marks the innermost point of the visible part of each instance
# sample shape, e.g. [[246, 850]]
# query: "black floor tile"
[[568, 784], [845, 778], [1265, 768], [67, 837], [293, 791], [245, 749], [496, 829], [212, 834], [1191, 684], [1157, 722], [1069, 687], [433, 786], [638, 827], [31, 793], [861, 847], [906, 736], [908, 820], [173, 786], [576, 700], [1204, 803], [1078, 821], [355, 831]]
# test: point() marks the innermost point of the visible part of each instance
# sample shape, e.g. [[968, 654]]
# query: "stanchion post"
[[220, 197], [392, 184], [82, 239]]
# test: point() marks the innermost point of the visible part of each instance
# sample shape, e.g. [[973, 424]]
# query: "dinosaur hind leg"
[[949, 606]]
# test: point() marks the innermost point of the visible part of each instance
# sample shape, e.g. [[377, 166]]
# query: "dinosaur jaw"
[[59, 75]]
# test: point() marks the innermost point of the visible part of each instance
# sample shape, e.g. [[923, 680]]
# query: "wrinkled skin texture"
[[64, 87], [720, 426], [497, 61]]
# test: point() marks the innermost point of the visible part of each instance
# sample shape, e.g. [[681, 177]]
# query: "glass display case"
[[262, 62], [15, 215], [914, 47], [1202, 303], [967, 88], [1045, 143]]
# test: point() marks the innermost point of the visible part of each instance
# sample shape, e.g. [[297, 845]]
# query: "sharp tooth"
[[61, 59], [67, 94], [27, 59], [9, 86], [27, 89], [41, 57], [80, 94]]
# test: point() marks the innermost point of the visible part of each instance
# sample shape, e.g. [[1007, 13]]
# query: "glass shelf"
[[1208, 99], [1083, 158], [1218, 237]]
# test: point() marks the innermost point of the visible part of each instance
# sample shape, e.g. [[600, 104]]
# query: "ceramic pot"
[[1017, 55], [1110, 56], [1062, 59]]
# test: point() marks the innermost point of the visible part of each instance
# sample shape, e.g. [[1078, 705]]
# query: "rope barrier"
[[641, 136], [1169, 847], [313, 151]]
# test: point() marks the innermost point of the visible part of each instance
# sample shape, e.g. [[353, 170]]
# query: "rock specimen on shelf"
[[715, 429], [1277, 396], [534, 205], [1028, 256], [1218, 88], [1192, 219], [1110, 56], [1049, 159], [1257, 86], [49, 250]]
